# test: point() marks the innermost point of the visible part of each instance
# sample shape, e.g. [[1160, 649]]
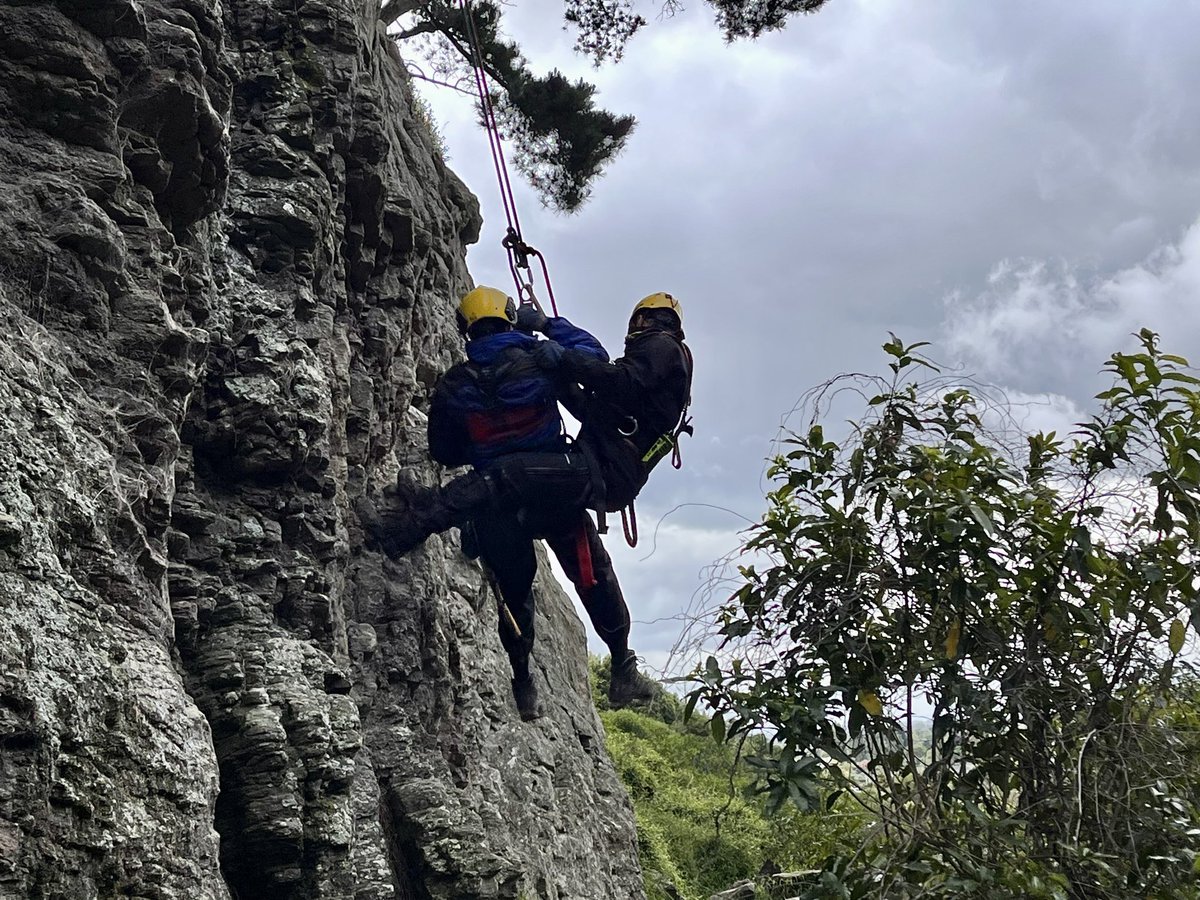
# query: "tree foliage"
[[740, 19], [1029, 597], [563, 140]]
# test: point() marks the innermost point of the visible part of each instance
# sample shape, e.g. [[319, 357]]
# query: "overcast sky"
[[1018, 182]]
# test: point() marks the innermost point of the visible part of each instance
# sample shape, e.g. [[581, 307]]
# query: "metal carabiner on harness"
[[526, 296]]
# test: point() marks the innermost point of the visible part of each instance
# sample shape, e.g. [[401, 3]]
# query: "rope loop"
[[629, 525], [517, 248]]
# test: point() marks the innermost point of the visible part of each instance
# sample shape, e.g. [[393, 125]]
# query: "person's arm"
[[648, 366], [449, 443], [574, 398], [573, 338]]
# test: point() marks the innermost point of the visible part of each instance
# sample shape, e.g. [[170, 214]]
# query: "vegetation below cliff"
[[700, 828]]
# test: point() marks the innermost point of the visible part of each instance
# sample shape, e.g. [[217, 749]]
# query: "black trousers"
[[545, 495]]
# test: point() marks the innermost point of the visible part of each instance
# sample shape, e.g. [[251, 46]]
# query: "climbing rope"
[[518, 251]]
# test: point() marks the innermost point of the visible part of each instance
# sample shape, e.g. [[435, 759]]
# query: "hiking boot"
[[401, 518], [526, 694], [628, 685]]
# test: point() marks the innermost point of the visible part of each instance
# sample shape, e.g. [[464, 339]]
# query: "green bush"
[[1028, 595]]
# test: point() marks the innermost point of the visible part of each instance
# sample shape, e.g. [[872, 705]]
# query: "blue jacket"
[[500, 401]]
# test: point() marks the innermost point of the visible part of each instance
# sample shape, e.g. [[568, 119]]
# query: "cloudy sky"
[[1017, 182]]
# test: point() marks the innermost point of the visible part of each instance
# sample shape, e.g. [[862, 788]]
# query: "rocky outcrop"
[[227, 252]]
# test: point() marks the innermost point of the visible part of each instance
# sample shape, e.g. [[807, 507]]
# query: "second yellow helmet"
[[660, 300], [485, 303]]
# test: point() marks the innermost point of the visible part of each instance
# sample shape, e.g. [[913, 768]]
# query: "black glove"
[[531, 319], [548, 354]]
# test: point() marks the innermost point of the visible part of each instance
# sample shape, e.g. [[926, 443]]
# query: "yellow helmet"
[[485, 303], [660, 300]]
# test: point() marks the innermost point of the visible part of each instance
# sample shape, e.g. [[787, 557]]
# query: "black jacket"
[[630, 403]]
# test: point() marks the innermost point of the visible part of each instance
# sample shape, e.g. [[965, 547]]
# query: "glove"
[[548, 354], [531, 319]]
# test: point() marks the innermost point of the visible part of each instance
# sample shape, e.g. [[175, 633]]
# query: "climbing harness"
[[513, 243]]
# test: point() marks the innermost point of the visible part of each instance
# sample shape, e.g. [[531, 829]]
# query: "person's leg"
[[587, 564], [508, 554], [581, 553], [409, 512], [541, 486]]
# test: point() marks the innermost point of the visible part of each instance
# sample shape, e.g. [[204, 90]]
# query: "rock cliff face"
[[227, 261]]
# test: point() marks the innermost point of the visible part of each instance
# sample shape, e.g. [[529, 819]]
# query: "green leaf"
[[717, 726], [689, 708], [1126, 367], [870, 701], [832, 799], [982, 518], [1152, 373], [856, 720], [1175, 641], [738, 628], [1180, 377]]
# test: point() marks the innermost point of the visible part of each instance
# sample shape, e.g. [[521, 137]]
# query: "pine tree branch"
[[417, 73], [428, 27], [467, 54]]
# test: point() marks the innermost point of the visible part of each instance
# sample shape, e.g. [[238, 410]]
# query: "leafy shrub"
[[1029, 593]]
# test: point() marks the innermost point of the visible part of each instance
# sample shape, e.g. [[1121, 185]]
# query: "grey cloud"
[[1041, 326]]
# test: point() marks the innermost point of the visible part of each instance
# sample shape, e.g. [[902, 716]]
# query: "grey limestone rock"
[[228, 258]]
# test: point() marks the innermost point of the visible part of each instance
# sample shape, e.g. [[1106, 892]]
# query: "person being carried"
[[498, 412], [635, 408]]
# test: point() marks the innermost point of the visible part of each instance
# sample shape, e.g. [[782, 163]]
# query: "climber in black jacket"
[[635, 407], [632, 412]]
